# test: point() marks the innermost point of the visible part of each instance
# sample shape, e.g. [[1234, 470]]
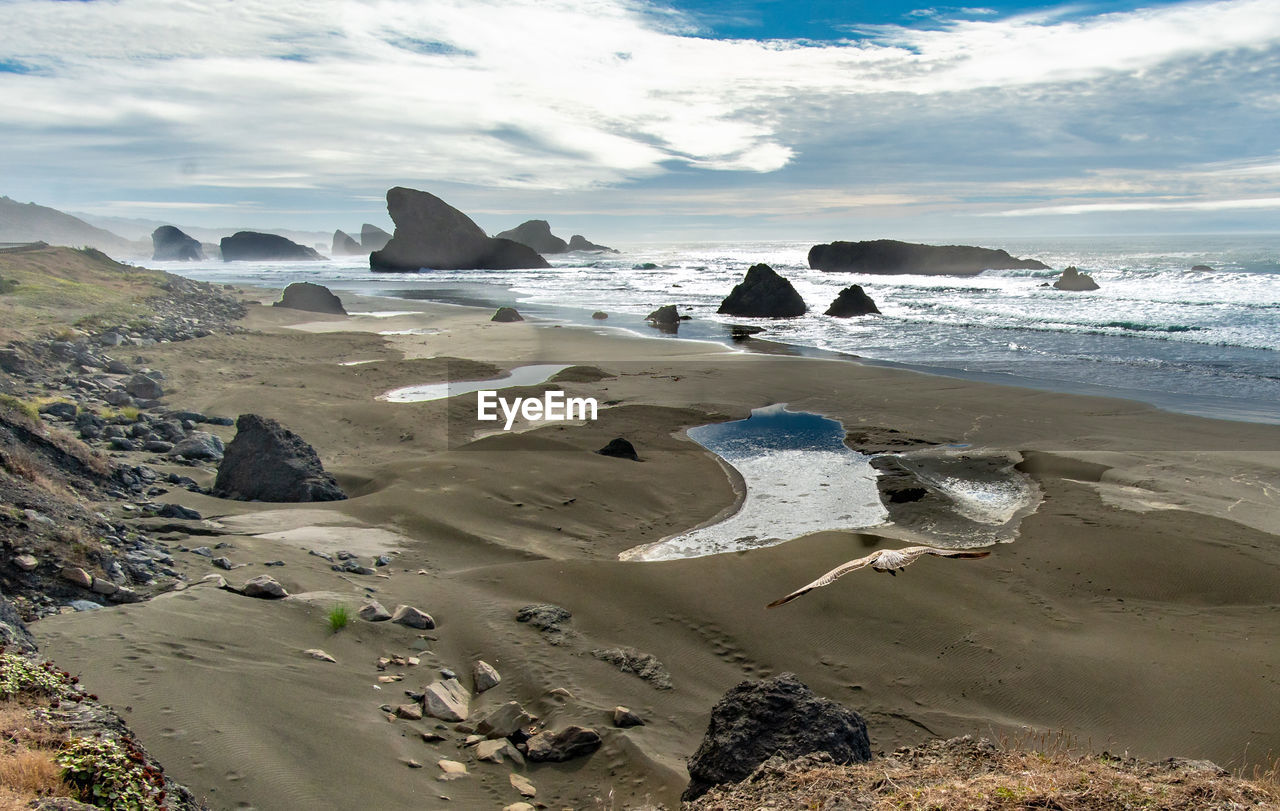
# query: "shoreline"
[[1151, 561]]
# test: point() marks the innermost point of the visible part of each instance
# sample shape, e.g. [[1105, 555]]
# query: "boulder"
[[620, 449], [599, 315], [315, 298], [144, 388], [852, 301], [373, 238], [891, 256], [265, 587], [777, 716], [447, 700], [507, 315], [567, 744], [763, 294], [268, 462], [484, 676], [411, 617], [577, 242], [171, 245], [253, 246], [199, 445], [667, 314], [430, 233], [537, 235], [344, 245], [1073, 279]]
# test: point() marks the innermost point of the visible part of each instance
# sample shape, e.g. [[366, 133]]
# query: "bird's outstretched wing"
[[828, 578], [913, 552]]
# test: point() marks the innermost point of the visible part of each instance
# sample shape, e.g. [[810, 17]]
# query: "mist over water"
[[1198, 341]]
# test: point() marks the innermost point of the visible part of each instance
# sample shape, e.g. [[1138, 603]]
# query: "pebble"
[[223, 563]]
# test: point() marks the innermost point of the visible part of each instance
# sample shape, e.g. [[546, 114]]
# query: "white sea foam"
[[520, 376]]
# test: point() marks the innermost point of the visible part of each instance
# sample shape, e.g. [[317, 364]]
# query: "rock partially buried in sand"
[[268, 462], [484, 676], [452, 769], [505, 721], [521, 784], [373, 611], [623, 717], [630, 660], [620, 448], [763, 293], [264, 587], [497, 751], [777, 716], [316, 653], [544, 616], [852, 301], [447, 700], [314, 298], [567, 744], [506, 315], [1073, 279], [411, 617]]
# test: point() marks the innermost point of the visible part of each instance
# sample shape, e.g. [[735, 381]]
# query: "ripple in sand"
[[519, 376], [800, 478]]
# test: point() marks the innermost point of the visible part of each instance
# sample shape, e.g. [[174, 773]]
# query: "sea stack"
[[314, 298], [373, 238], [537, 235], [172, 245], [1073, 279], [891, 256], [252, 246], [852, 301], [578, 242], [763, 294], [344, 245], [430, 233]]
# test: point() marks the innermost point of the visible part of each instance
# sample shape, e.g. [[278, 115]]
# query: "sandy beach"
[[1135, 610]]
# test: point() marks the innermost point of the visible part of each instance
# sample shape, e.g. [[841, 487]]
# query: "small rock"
[[496, 751], [223, 563], [556, 747], [84, 605], [77, 576], [413, 764], [413, 618], [373, 611], [599, 315], [431, 737], [623, 717], [409, 712], [507, 314], [178, 511], [316, 653], [104, 587], [264, 587], [505, 721], [521, 784], [124, 595], [203, 551], [144, 388], [620, 448], [452, 769], [484, 676], [26, 563], [215, 580]]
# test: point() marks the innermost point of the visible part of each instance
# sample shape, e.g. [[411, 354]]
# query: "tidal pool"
[[519, 376]]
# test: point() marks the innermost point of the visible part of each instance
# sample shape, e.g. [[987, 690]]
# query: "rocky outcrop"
[[1073, 279], [506, 315], [890, 256], [537, 235], [430, 233], [779, 716], [619, 448], [373, 238], [852, 301], [315, 298], [171, 245], [763, 294], [578, 242], [268, 462], [252, 246], [344, 245]]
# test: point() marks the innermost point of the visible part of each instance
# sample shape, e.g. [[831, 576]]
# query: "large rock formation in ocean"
[[777, 716], [268, 462], [315, 298], [1073, 279], [537, 235], [763, 294], [578, 242], [344, 245], [373, 238], [852, 301], [252, 246], [430, 233], [892, 256], [172, 245]]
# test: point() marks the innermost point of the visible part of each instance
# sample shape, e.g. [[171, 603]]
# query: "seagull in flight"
[[882, 560]]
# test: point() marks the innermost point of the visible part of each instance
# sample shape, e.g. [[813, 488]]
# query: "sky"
[[638, 120]]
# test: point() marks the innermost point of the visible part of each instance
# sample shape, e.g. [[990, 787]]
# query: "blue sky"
[[633, 120]]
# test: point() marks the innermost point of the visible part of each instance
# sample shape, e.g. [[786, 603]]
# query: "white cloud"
[[1144, 205]]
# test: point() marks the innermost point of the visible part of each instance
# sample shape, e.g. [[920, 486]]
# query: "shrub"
[[111, 774], [20, 675]]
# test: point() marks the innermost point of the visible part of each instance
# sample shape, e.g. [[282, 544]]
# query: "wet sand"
[[1136, 609]]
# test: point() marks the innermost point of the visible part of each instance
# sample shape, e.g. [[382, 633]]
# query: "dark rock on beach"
[[567, 744], [777, 716], [344, 245], [621, 449], [430, 233], [1073, 279], [577, 242], [373, 238], [892, 256], [268, 462], [171, 245], [763, 294], [315, 298], [852, 301], [507, 315], [252, 246], [537, 235]]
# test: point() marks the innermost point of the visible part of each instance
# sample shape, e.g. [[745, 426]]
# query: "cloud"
[[1145, 205], [571, 95]]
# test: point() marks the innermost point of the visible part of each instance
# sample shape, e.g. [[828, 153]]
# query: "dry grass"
[[27, 767], [967, 775]]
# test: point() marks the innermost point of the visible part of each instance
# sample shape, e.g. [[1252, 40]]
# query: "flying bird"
[[882, 560]]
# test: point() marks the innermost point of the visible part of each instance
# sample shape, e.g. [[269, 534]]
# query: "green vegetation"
[[339, 617], [110, 775], [18, 407], [19, 675], [8, 286]]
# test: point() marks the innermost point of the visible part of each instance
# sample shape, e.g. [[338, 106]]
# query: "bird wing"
[[828, 578], [916, 551]]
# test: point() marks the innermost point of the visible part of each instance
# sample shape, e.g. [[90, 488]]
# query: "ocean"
[[1203, 342]]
